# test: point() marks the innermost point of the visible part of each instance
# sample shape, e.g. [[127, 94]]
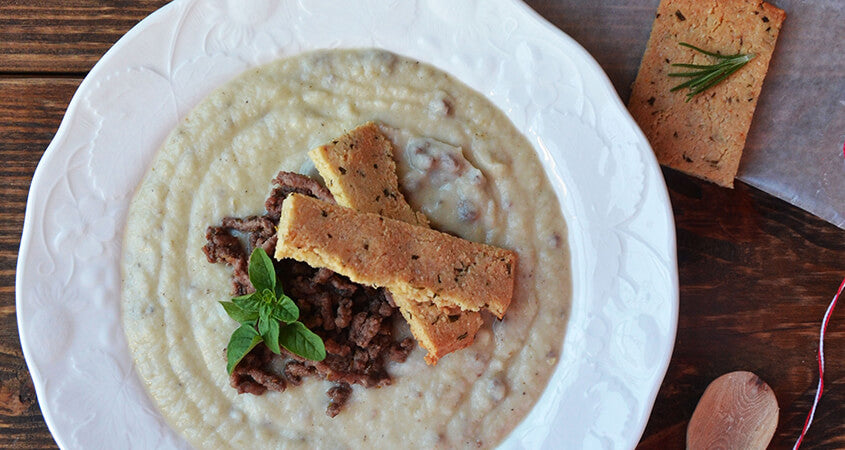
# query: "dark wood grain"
[[756, 273], [57, 36], [756, 276]]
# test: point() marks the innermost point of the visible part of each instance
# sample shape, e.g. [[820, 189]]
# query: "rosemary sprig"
[[704, 77]]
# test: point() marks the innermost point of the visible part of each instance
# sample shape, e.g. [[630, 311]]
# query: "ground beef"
[[287, 183], [338, 395], [354, 321], [222, 247], [252, 374]]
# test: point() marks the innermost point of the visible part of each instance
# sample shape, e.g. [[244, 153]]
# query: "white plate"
[[622, 238]]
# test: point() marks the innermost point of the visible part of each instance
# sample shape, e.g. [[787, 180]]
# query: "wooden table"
[[756, 274]]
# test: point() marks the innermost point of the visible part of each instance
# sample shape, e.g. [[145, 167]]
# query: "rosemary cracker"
[[408, 260], [359, 170], [704, 136]]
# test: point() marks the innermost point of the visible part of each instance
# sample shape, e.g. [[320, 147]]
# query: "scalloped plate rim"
[[38, 174], [91, 77], [664, 193]]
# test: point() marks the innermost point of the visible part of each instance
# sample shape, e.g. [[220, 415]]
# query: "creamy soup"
[[461, 162]]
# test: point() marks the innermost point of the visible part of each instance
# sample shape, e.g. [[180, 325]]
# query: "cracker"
[[360, 171], [705, 136], [406, 259], [439, 331]]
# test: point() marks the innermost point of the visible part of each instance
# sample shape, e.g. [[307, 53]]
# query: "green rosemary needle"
[[703, 77]]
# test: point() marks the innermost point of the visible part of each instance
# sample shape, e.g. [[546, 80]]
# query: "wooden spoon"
[[737, 411]]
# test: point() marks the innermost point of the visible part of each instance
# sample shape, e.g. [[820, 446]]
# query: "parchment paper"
[[795, 146]]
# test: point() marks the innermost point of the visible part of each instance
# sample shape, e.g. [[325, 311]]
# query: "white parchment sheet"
[[795, 146]]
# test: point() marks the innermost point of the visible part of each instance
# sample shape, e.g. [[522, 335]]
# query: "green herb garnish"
[[268, 315], [704, 77]]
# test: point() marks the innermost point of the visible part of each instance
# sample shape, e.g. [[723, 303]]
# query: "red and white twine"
[[819, 390]]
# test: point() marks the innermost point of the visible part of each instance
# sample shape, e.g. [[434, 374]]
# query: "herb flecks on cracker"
[[704, 136]]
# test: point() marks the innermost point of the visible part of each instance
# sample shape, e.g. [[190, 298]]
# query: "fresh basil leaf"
[[244, 297], [242, 341], [268, 296], [265, 311], [285, 310], [298, 339], [248, 302], [271, 336], [262, 274], [239, 314]]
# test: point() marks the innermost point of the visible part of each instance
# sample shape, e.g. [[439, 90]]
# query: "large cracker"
[[360, 171], [406, 259], [705, 136]]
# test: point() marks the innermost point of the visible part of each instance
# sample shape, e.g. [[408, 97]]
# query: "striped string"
[[819, 390]]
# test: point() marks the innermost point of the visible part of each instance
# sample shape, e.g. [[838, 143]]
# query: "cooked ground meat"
[[354, 321], [225, 248], [252, 374], [287, 183], [338, 395]]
